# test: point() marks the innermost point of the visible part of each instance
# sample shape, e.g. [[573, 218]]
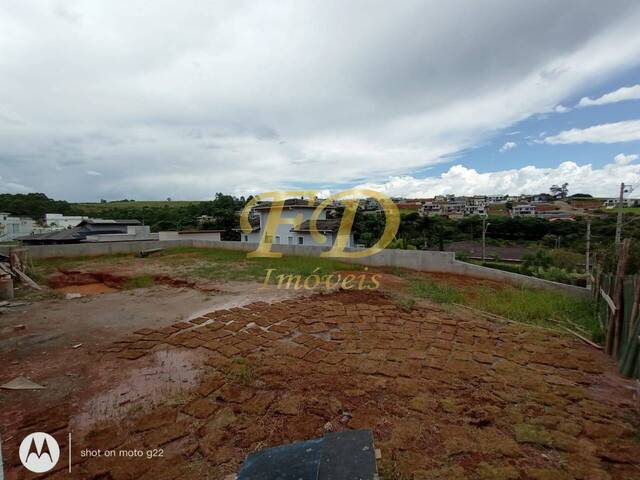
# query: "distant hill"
[[220, 212]]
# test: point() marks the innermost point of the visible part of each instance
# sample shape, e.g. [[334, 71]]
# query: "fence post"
[[614, 332]]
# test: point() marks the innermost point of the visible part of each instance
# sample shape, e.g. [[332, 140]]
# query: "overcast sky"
[[182, 99]]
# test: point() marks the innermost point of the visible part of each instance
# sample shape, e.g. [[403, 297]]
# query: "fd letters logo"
[[39, 452]]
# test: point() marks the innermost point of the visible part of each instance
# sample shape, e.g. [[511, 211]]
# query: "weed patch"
[[240, 371], [144, 281], [436, 292]]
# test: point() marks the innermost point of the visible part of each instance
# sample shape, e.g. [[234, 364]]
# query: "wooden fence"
[[617, 300]]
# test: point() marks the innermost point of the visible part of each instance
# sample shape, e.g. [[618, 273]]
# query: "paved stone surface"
[[446, 394]]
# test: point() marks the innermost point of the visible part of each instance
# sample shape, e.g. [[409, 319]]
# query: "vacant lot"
[[188, 356]]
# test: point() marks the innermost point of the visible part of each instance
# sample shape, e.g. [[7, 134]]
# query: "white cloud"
[[93, 173], [508, 146], [461, 180], [622, 159], [624, 93], [625, 131], [13, 187], [561, 109]]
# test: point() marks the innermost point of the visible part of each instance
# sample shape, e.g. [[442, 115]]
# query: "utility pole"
[[485, 225], [620, 210], [587, 262]]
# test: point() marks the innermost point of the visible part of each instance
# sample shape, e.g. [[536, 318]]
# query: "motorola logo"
[[39, 452]]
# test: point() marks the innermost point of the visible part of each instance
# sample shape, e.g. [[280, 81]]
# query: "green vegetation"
[[414, 232], [234, 265], [240, 371], [438, 292], [532, 306], [205, 263], [159, 215], [143, 281], [99, 207], [538, 307], [34, 205], [46, 266]]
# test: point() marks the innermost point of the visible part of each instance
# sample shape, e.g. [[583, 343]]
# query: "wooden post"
[[614, 332]]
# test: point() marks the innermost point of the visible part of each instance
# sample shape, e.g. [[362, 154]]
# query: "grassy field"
[[536, 307], [208, 264], [234, 265]]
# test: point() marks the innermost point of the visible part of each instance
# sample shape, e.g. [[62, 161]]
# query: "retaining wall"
[[93, 249], [424, 261]]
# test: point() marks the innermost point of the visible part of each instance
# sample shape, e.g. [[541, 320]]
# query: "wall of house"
[[13, 227], [283, 231], [426, 261], [57, 221]]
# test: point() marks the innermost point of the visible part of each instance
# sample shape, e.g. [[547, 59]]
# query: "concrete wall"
[[134, 233], [425, 261], [92, 249], [174, 235]]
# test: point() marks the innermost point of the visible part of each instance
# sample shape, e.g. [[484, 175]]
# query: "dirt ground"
[[183, 382]]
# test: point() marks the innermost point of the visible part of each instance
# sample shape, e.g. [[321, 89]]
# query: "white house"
[[57, 221], [300, 234], [12, 227], [626, 203]]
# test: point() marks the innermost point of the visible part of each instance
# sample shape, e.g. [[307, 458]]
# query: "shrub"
[[144, 281]]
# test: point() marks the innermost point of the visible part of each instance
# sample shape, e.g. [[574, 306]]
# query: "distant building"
[[90, 230], [454, 208], [58, 221], [475, 209], [540, 198], [300, 234], [523, 211], [133, 233], [626, 203], [497, 199], [12, 227], [430, 209], [368, 204]]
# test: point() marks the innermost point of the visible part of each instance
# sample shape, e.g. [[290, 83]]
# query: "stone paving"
[[448, 395]]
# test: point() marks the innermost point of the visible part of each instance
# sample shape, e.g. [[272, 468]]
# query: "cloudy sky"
[[155, 99]]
